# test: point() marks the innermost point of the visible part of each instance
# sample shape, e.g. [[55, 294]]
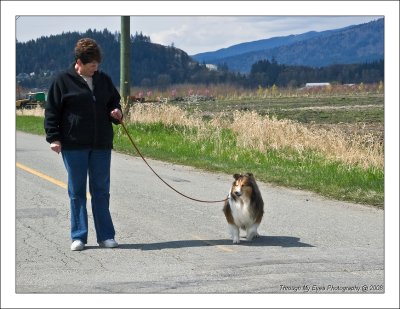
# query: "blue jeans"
[[96, 164]]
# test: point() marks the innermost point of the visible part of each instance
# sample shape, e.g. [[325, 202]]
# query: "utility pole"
[[125, 52]]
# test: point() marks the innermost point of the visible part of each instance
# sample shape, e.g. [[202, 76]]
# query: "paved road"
[[172, 245]]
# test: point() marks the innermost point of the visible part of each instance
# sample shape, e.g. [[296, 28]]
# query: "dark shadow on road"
[[262, 241], [274, 241]]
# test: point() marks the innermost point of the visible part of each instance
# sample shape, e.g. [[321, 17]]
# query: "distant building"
[[211, 67], [309, 85]]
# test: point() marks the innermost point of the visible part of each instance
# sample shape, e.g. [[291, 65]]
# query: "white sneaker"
[[77, 245], [109, 243]]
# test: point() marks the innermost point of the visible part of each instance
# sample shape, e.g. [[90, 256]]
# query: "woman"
[[82, 104]]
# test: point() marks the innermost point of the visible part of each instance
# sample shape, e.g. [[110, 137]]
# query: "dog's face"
[[242, 185]]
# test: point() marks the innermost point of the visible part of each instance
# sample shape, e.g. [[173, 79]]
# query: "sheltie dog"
[[244, 207]]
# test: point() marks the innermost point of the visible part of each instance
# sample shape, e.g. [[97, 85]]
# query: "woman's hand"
[[116, 114], [56, 146]]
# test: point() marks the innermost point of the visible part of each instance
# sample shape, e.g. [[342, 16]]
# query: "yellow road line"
[[65, 186], [41, 175], [45, 177], [223, 248]]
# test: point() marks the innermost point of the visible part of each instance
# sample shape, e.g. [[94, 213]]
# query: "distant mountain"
[[248, 47], [157, 66], [352, 44], [151, 64]]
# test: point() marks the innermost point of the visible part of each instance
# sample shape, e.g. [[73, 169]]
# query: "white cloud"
[[168, 36]]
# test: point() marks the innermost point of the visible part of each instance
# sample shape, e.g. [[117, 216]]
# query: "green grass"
[[31, 124], [309, 170], [354, 115]]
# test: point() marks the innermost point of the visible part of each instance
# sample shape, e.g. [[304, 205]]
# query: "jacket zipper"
[[94, 113], [93, 105], [95, 118]]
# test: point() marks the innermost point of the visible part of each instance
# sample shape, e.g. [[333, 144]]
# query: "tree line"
[[155, 65], [266, 73]]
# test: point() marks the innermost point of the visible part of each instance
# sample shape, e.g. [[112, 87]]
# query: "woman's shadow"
[[262, 241]]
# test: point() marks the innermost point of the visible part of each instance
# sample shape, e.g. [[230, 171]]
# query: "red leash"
[[140, 154]]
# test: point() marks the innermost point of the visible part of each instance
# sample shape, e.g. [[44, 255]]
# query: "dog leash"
[[171, 187]]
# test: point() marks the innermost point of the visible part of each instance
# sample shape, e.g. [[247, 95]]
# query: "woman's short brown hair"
[[87, 51]]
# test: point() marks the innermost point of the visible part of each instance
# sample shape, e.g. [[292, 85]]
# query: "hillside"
[[151, 64], [253, 46], [353, 44]]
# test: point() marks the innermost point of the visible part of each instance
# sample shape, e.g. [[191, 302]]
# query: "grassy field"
[[342, 111], [327, 151]]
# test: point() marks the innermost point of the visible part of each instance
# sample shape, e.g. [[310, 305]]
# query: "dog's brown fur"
[[245, 207]]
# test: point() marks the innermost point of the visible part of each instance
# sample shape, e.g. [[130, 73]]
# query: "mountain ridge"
[[156, 65], [252, 46], [351, 44]]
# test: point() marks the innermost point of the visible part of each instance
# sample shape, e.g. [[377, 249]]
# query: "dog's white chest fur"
[[240, 208]]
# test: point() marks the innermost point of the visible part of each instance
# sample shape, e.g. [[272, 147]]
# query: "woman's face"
[[87, 69]]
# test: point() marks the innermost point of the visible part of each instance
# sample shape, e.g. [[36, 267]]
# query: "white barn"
[[309, 85]]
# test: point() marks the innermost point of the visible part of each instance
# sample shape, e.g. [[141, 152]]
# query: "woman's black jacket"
[[78, 117]]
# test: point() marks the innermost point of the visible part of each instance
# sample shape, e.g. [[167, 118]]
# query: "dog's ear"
[[250, 175], [237, 176]]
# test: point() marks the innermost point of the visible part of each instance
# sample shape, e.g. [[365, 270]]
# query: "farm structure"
[[310, 85], [32, 100]]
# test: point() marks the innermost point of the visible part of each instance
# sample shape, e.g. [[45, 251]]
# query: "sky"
[[193, 34]]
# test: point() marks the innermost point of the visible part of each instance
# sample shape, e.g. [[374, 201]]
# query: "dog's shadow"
[[262, 241]]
